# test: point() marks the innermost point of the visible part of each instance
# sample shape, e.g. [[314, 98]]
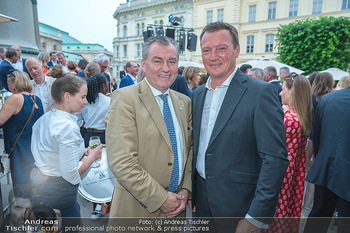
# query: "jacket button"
[[170, 163]]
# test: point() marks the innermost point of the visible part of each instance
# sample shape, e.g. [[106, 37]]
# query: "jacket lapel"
[[234, 93], [152, 107], [197, 111]]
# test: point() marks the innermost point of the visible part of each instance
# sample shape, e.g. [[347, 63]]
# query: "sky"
[[89, 21]]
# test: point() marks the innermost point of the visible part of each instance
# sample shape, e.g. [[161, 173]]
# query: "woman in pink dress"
[[296, 93]]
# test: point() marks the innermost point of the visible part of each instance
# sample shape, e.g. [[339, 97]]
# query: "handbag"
[[5, 167]]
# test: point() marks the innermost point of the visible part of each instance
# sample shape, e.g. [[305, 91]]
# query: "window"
[[55, 48], [125, 31], [143, 27], [44, 46], [138, 50], [293, 8], [117, 51], [317, 6], [250, 44], [138, 29], [272, 10], [269, 44], [125, 54], [182, 24], [252, 13], [221, 15], [345, 5], [209, 17], [161, 22]]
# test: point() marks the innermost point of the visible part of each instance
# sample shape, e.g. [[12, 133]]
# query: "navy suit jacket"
[[126, 81], [246, 158], [331, 140], [180, 85], [278, 89], [50, 63], [5, 68]]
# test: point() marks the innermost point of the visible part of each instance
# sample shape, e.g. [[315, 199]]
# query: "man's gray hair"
[[59, 54], [258, 72], [271, 70], [100, 58], [285, 69], [163, 40]]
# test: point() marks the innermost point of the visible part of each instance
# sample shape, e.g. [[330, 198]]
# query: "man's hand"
[[244, 226], [189, 203], [182, 198], [171, 203]]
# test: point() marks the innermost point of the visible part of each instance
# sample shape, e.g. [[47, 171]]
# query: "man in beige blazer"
[[139, 148]]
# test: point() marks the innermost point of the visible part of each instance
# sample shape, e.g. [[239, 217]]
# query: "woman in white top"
[[95, 111], [58, 147]]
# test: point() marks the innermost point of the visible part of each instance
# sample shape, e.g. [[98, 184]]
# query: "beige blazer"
[[139, 150]]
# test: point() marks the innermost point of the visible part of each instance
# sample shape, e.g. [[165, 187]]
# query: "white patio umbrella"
[[263, 62], [337, 73], [5, 18], [192, 63]]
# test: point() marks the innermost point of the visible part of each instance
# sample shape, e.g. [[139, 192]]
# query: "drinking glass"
[[94, 142]]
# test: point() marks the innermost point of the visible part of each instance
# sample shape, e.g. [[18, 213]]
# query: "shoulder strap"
[[23, 127]]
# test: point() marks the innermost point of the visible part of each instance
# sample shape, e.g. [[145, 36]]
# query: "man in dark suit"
[[271, 77], [239, 139], [53, 60], [330, 171], [131, 77], [180, 85], [20, 63], [7, 65]]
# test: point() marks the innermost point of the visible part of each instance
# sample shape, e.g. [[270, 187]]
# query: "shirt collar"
[[155, 91], [42, 83], [224, 84]]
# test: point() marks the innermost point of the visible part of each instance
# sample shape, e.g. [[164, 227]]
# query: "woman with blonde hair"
[[296, 94], [191, 74], [71, 67], [92, 68], [44, 58], [57, 71], [343, 83], [18, 114]]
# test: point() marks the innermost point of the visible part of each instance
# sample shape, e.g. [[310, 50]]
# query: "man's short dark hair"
[[244, 67], [128, 64], [2, 49], [10, 53], [218, 26], [52, 53]]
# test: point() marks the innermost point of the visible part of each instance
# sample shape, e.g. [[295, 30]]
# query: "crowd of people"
[[231, 142]]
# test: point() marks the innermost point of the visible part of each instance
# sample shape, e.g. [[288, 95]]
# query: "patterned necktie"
[[171, 131]]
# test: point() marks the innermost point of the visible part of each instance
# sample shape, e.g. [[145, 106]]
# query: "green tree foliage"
[[315, 44]]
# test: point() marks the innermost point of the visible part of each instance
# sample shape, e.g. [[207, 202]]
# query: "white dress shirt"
[[41, 90], [57, 145], [65, 68], [212, 105], [94, 114], [19, 65], [178, 132]]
